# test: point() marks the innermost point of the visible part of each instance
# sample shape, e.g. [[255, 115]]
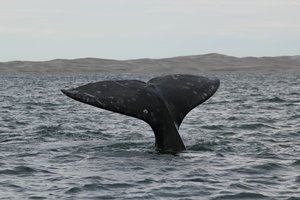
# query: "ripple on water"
[[293, 198], [242, 195], [204, 146], [268, 167], [233, 118], [242, 186], [297, 116], [272, 100], [255, 126], [19, 170], [259, 168], [213, 127], [296, 163]]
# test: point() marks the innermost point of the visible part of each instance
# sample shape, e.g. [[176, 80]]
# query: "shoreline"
[[182, 64]]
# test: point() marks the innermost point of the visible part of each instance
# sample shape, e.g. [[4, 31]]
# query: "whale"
[[162, 102]]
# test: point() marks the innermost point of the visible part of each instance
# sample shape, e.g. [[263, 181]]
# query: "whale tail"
[[162, 102]]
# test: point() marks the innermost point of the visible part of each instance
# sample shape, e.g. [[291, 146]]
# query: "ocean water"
[[243, 143]]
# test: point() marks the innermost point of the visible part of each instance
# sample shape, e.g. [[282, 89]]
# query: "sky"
[[131, 29]]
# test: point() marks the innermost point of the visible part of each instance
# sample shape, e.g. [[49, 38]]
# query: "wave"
[[254, 126], [242, 195], [22, 170], [213, 127], [272, 100]]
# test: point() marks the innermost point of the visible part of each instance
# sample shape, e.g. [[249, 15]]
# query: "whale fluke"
[[162, 102]]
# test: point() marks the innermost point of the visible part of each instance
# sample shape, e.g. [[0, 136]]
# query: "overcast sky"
[[126, 29]]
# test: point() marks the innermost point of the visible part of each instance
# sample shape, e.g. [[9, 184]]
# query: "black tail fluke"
[[163, 102]]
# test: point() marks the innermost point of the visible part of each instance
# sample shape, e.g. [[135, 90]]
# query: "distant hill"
[[181, 64]]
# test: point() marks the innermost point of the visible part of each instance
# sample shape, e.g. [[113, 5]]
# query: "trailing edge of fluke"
[[162, 102]]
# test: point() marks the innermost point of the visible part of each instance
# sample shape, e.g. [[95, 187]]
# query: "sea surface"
[[243, 143]]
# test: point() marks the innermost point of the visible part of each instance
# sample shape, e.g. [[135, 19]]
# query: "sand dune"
[[182, 64]]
